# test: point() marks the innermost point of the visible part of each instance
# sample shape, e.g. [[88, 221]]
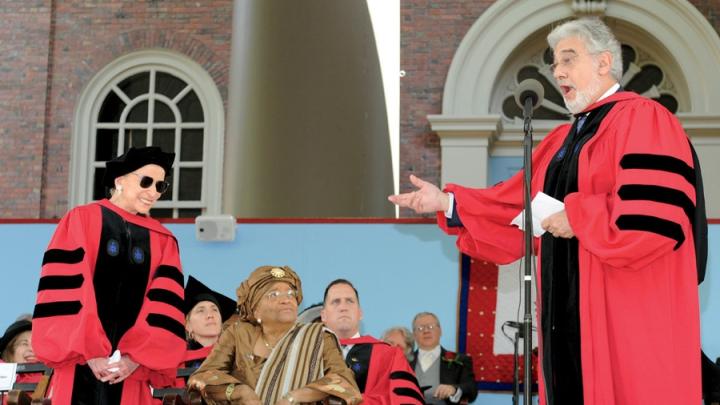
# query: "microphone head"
[[529, 88]]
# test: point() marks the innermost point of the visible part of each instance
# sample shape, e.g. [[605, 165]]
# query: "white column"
[[465, 143]]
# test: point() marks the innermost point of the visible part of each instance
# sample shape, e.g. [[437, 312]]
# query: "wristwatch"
[[288, 396]]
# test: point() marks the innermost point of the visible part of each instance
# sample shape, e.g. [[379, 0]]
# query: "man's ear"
[[322, 315], [605, 61]]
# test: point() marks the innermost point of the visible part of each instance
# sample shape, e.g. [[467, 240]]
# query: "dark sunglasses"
[[146, 181]]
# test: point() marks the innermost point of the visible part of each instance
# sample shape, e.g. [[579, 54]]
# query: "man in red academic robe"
[[111, 282], [619, 266], [381, 371]]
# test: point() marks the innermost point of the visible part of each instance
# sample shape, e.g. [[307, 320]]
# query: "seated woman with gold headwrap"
[[267, 357]]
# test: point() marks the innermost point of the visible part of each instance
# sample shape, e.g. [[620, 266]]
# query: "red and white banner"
[[491, 295]]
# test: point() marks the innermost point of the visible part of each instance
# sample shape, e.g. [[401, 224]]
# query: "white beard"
[[583, 98]]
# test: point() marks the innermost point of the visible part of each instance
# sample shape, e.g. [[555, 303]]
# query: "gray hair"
[[424, 314], [596, 36], [407, 337]]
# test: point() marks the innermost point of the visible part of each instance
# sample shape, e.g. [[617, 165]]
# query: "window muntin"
[[155, 108]]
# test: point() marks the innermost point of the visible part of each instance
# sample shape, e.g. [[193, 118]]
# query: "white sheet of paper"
[[7, 376], [542, 207], [114, 359]]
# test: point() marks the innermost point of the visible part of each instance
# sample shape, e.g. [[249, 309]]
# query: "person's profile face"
[[204, 320], [426, 331], [139, 195], [341, 311], [22, 349]]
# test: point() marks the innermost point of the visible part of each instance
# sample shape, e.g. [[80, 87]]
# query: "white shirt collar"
[[433, 353], [346, 348], [609, 92]]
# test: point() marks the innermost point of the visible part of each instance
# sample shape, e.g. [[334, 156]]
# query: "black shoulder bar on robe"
[[168, 297], [167, 323], [171, 272], [409, 392], [61, 282], [652, 224], [58, 308], [63, 256]]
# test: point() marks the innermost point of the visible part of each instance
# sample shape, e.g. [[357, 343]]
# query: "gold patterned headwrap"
[[256, 285]]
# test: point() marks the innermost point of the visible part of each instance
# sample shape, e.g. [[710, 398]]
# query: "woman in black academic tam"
[[205, 312], [109, 315]]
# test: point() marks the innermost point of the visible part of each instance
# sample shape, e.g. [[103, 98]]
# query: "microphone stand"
[[516, 368], [527, 279]]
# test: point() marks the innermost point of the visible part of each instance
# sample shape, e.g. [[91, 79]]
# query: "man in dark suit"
[[446, 377]]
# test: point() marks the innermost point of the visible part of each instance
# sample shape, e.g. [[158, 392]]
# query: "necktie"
[[426, 361], [581, 121]]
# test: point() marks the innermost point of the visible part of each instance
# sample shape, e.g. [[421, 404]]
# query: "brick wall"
[[431, 32], [24, 33], [46, 62], [710, 9], [87, 35]]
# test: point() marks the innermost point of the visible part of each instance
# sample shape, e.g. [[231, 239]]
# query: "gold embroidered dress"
[[307, 356]]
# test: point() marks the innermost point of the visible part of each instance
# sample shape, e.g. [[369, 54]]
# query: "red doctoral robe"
[[142, 316], [390, 380], [193, 358], [637, 282]]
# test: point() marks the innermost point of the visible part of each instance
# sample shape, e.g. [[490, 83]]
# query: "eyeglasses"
[[276, 295], [565, 62], [423, 328], [146, 181]]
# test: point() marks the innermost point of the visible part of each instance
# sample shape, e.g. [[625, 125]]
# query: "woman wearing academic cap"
[[16, 347], [109, 312], [15, 344], [205, 312], [267, 357]]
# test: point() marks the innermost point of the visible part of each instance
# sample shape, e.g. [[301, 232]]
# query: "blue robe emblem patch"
[[113, 247]]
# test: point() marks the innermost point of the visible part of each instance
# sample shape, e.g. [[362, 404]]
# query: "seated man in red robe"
[[381, 371]]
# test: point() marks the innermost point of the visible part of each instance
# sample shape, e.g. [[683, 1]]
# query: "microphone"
[[532, 89], [513, 324]]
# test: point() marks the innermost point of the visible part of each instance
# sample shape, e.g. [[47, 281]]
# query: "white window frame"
[[90, 102]]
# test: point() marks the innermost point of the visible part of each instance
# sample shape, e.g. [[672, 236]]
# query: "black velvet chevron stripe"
[[167, 323], [659, 194], [61, 282], [63, 256], [658, 162], [58, 308], [404, 375], [652, 224], [168, 297], [409, 392], [171, 272]]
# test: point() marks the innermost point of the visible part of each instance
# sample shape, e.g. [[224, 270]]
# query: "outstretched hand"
[[427, 198]]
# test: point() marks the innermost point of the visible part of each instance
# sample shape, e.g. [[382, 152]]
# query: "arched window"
[[150, 100], [640, 74]]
